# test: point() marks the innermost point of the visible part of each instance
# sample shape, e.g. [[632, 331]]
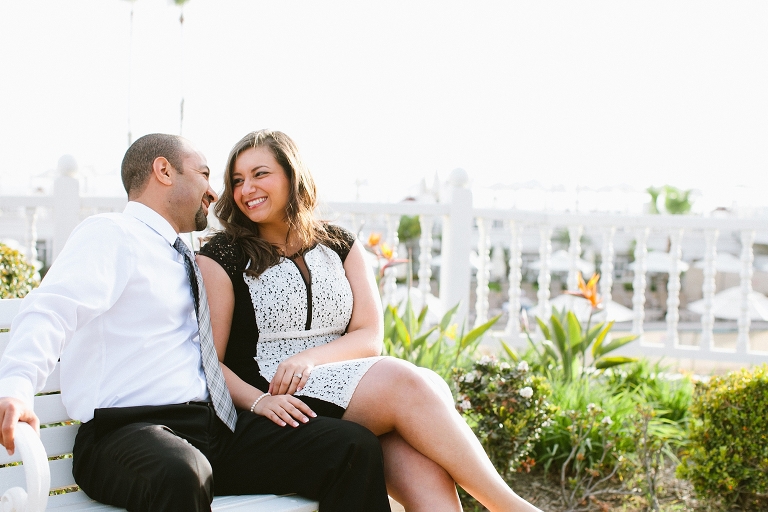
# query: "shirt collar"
[[152, 219]]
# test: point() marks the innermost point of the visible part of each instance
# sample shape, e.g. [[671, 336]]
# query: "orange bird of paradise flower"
[[589, 290], [374, 239]]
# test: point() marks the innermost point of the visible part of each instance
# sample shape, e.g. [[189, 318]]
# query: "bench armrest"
[[36, 471]]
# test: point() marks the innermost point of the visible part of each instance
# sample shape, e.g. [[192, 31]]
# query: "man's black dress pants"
[[177, 457]]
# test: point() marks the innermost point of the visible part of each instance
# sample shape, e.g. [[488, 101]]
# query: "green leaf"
[[544, 328], [574, 329], [619, 342], [446, 320], [478, 331], [417, 342], [422, 316], [402, 331], [597, 350], [550, 349], [608, 362], [512, 353], [560, 338], [593, 332]]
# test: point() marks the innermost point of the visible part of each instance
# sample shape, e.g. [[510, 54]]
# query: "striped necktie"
[[217, 387]]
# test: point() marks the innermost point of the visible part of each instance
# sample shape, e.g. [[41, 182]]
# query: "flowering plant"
[[566, 340], [383, 252], [17, 276], [506, 406]]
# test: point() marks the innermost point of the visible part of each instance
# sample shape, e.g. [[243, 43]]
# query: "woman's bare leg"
[[395, 396], [415, 481]]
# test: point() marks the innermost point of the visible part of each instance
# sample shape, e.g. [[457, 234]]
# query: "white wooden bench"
[[43, 475]]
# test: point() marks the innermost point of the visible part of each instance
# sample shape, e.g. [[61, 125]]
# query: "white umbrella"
[[560, 261], [727, 305], [724, 262], [659, 263], [581, 307]]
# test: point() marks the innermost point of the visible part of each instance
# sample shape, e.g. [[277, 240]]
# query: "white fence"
[[454, 229]]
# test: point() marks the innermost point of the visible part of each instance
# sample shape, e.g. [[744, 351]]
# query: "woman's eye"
[[236, 182]]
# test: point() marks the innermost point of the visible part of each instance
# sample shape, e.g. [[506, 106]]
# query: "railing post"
[[483, 272], [638, 285], [574, 251], [545, 277], [606, 266], [455, 270], [515, 278], [708, 290], [673, 289], [31, 238], [390, 274], [747, 256], [425, 255], [66, 203]]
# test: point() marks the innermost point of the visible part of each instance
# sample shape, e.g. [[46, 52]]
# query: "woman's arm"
[[363, 337], [221, 300]]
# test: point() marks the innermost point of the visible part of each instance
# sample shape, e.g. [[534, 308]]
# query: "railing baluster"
[[31, 238], [747, 239], [545, 278], [708, 290], [673, 288], [483, 272], [574, 251], [425, 255], [606, 266], [390, 275], [515, 279], [638, 298]]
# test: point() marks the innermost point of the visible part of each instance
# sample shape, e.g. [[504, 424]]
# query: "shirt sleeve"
[[86, 279]]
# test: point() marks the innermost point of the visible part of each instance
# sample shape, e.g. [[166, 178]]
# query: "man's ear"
[[162, 170]]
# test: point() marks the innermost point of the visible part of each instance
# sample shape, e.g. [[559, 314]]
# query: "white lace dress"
[[293, 316]]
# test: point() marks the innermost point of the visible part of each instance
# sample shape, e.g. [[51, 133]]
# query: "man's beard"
[[201, 221]]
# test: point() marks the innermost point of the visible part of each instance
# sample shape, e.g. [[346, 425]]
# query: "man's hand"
[[13, 411]]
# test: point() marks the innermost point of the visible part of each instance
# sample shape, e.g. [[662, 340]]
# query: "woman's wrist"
[[255, 402]]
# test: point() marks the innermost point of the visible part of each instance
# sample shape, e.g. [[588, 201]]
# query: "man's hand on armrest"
[[12, 411]]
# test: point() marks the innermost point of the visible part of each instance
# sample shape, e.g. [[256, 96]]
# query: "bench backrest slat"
[[59, 440], [50, 409], [8, 310]]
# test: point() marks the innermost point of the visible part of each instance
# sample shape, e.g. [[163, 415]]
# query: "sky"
[[380, 95]]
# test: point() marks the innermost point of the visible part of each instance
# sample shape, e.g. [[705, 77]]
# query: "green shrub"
[[17, 277], [506, 406], [728, 451]]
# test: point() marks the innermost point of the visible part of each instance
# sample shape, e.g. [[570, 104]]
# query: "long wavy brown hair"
[[299, 211]]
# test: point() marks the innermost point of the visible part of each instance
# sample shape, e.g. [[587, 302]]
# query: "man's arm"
[[86, 279]]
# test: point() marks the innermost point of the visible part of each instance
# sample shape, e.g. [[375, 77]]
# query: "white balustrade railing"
[[462, 228]]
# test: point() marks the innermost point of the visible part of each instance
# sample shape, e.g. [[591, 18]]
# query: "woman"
[[297, 324]]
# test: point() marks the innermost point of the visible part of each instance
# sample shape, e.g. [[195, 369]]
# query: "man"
[[122, 310]]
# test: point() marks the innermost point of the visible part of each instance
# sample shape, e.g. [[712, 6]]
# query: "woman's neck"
[[279, 236]]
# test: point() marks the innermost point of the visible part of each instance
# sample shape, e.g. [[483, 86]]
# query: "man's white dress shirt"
[[116, 307]]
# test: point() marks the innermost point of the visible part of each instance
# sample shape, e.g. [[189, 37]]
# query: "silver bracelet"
[[259, 400]]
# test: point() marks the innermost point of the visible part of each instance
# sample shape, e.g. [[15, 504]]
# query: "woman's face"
[[261, 188]]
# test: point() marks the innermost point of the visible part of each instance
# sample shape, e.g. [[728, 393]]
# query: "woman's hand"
[[291, 375], [284, 409]]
